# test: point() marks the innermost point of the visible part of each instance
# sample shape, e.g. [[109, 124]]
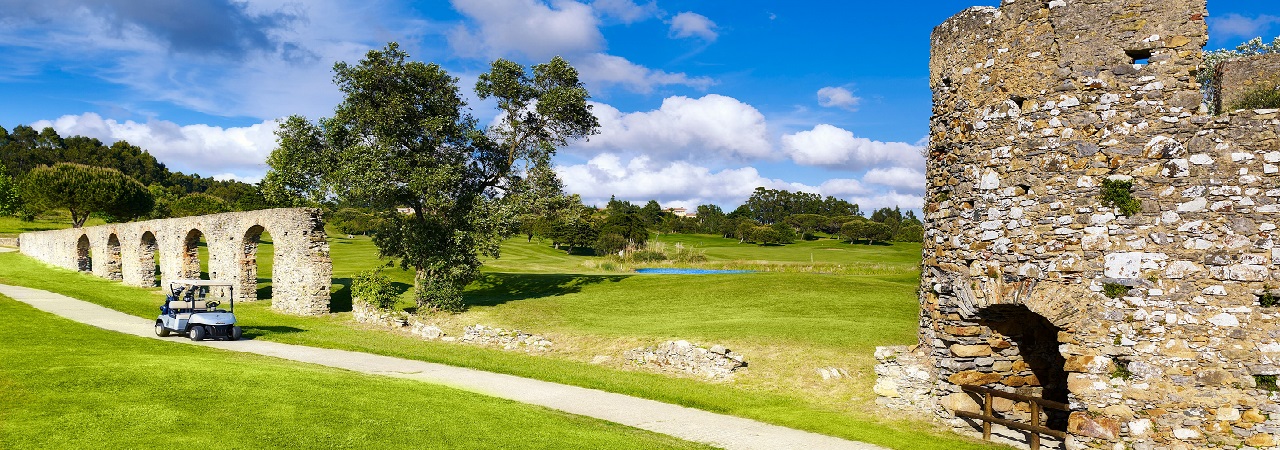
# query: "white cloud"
[[838, 97], [1236, 25], [529, 28], [626, 11], [599, 70], [688, 185], [239, 152], [242, 179], [890, 199], [288, 74], [689, 24], [909, 179], [830, 146], [713, 127], [672, 184], [843, 188]]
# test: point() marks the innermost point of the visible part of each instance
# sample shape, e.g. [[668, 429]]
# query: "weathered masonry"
[[1158, 326], [128, 252]]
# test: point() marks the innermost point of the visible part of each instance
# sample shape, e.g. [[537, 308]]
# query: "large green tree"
[[84, 190], [401, 138], [198, 204]]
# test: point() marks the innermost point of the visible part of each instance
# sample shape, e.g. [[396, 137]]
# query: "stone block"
[[1088, 364], [1261, 440], [960, 401], [965, 351], [973, 378], [1083, 424], [1253, 416]]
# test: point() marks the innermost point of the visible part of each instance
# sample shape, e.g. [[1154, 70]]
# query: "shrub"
[[1121, 369], [198, 204], [1260, 97], [1266, 382], [1267, 299], [375, 288], [683, 254], [609, 244], [647, 256], [1118, 194], [1114, 290]]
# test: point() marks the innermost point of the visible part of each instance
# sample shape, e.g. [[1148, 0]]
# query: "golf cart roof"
[[200, 282]]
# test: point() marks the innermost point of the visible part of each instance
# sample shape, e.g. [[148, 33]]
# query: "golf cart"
[[192, 308]]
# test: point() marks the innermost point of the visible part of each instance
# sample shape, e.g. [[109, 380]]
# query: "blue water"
[[690, 271]]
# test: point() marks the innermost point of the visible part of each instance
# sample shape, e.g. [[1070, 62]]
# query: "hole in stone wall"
[[148, 260], [1140, 57], [111, 267], [84, 259], [256, 263], [1019, 100], [195, 256], [1036, 367]]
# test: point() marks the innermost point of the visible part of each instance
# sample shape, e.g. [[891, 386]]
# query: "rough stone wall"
[[1036, 103], [1239, 76], [126, 251]]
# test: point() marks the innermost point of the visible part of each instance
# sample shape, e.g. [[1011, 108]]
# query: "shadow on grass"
[[251, 332], [340, 297], [498, 288], [874, 244], [575, 251], [264, 292]]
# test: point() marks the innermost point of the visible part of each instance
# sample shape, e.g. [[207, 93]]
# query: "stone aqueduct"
[[128, 252]]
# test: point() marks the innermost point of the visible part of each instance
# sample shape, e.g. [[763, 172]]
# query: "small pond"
[[676, 271]]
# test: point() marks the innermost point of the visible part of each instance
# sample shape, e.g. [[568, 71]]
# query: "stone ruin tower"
[[1158, 325]]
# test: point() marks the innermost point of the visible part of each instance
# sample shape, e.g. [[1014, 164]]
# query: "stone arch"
[[84, 259], [148, 249], [302, 275], [190, 263], [111, 267], [248, 263], [1026, 356]]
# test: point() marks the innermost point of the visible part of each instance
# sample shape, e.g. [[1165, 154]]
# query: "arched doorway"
[[195, 256], [84, 260], [111, 268], [256, 271], [1025, 346], [148, 260]]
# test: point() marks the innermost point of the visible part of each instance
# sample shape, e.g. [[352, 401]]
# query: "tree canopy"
[[85, 190], [401, 137]]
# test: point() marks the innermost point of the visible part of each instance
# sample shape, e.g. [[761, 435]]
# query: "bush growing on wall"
[[1261, 97]]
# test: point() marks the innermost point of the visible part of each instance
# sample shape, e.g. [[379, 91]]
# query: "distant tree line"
[[42, 170], [768, 217]]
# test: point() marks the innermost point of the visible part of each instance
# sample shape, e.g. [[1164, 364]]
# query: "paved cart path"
[[685, 423]]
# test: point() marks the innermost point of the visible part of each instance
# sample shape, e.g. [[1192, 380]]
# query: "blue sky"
[[700, 101]]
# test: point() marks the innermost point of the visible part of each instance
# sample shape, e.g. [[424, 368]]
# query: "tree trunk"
[[419, 277]]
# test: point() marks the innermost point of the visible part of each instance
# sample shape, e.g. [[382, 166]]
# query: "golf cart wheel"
[[235, 333], [197, 333], [161, 330]]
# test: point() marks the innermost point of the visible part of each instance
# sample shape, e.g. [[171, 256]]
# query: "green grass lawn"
[[824, 304], [69, 385]]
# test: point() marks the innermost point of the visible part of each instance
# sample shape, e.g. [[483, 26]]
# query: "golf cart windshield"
[[200, 295]]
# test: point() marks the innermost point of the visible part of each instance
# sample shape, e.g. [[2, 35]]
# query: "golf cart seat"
[[186, 307]]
